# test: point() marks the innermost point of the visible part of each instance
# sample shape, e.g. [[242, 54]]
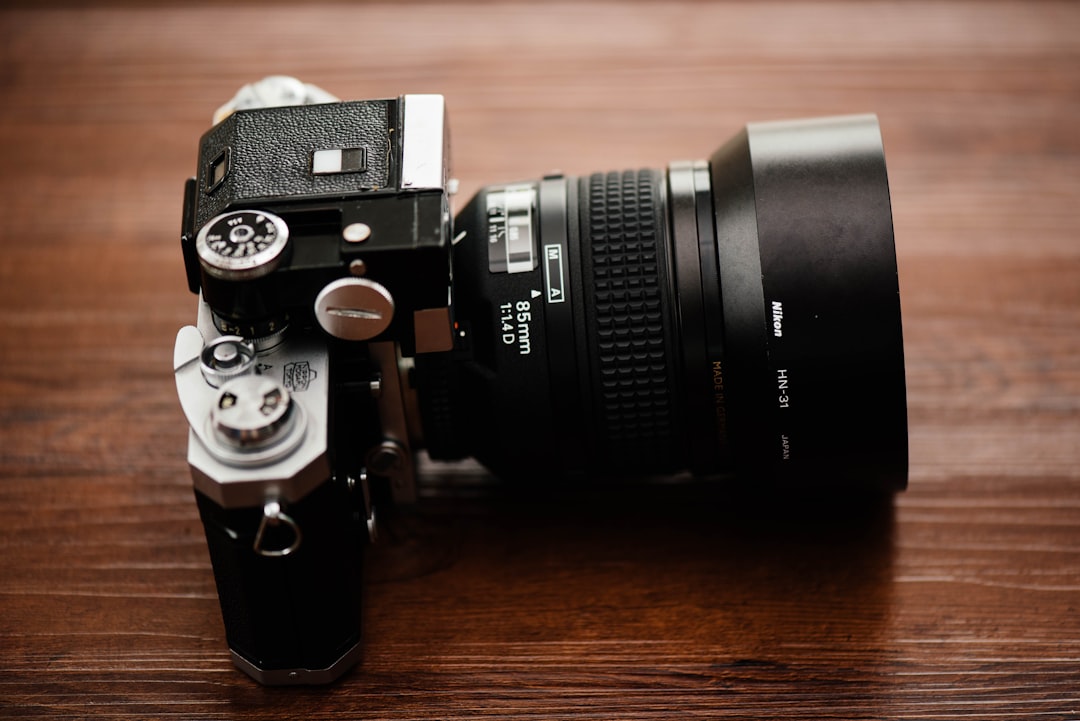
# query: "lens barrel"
[[736, 315]]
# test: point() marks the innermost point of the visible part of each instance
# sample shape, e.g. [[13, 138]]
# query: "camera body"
[[318, 238]]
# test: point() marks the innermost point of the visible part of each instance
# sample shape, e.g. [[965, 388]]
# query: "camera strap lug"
[[392, 458], [361, 486], [273, 518]]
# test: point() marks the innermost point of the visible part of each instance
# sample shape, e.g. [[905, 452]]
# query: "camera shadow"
[[699, 572]]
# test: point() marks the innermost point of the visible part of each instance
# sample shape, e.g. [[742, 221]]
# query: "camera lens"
[[739, 314]]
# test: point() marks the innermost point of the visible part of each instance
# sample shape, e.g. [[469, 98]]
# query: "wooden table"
[[962, 601]]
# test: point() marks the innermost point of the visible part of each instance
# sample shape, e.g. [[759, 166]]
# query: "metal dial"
[[242, 245], [251, 412]]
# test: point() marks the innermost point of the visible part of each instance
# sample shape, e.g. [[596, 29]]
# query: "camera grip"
[[291, 617]]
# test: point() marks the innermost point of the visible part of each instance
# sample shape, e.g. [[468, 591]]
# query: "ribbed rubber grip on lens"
[[626, 297]]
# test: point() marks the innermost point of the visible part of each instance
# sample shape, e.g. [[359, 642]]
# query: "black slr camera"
[[735, 317]]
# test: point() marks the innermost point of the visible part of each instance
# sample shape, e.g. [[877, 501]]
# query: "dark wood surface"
[[962, 601]]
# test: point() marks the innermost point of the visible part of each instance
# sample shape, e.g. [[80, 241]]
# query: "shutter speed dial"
[[242, 245]]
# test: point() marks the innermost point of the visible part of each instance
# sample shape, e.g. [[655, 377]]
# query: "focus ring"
[[628, 335]]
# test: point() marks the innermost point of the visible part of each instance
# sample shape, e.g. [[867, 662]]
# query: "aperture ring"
[[556, 240]]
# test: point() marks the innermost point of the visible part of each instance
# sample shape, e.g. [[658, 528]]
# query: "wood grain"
[[960, 601]]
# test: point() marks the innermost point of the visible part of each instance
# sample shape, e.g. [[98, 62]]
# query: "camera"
[[736, 317]]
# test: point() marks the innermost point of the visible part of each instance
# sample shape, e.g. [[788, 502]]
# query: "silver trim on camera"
[[296, 676], [425, 143], [287, 470]]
